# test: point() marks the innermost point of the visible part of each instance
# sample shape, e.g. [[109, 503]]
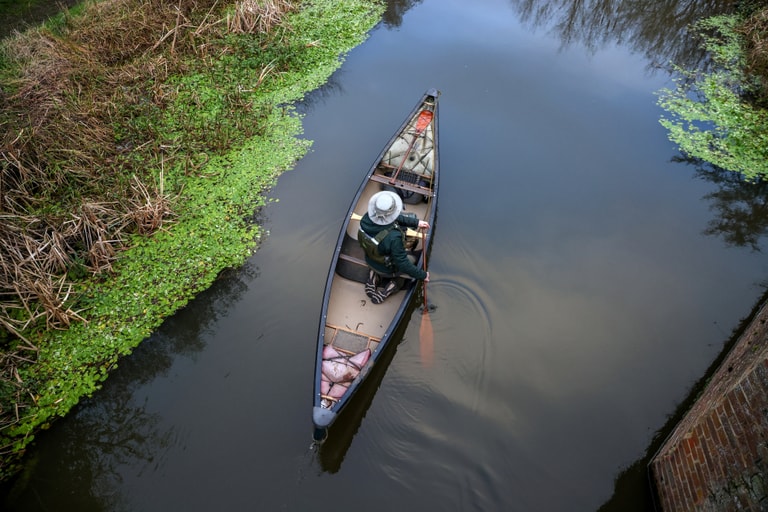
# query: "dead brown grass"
[[755, 30], [253, 16], [71, 187], [77, 174]]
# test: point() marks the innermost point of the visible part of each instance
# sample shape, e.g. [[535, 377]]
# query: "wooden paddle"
[[425, 117], [426, 336]]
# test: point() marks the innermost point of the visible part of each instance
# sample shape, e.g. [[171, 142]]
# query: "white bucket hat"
[[384, 207]]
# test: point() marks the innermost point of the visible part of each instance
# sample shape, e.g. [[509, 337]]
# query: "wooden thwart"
[[404, 185]]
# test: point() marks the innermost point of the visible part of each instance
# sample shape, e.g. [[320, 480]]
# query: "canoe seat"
[[352, 259], [352, 263]]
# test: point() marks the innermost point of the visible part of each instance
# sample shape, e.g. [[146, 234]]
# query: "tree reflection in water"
[[741, 207], [658, 30], [654, 28]]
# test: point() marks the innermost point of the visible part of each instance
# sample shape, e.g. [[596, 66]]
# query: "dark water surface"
[[584, 281]]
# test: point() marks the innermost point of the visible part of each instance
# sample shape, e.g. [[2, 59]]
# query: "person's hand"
[[426, 279], [423, 224]]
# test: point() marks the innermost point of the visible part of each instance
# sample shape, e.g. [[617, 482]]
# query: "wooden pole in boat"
[[425, 117], [426, 336]]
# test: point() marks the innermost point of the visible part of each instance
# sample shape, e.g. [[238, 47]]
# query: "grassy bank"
[[141, 138]]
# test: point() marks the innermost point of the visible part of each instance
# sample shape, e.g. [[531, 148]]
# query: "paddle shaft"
[[426, 336], [424, 261]]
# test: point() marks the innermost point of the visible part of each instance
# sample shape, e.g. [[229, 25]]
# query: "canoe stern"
[[322, 417]]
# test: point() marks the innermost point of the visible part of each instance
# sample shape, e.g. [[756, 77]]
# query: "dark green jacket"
[[392, 246]]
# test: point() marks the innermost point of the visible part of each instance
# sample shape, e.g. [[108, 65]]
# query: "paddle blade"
[[426, 336]]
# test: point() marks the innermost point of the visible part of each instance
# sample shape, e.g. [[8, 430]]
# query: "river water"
[[584, 280]]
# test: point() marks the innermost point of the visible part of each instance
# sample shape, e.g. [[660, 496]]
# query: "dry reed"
[[755, 31], [71, 189], [254, 16]]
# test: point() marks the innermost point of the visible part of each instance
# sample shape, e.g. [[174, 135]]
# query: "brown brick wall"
[[716, 458]]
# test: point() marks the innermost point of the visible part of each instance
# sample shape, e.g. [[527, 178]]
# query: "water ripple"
[[463, 336]]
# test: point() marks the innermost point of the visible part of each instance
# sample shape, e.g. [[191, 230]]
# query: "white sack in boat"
[[360, 359], [340, 370], [337, 391], [325, 384], [344, 369], [419, 159], [331, 353]]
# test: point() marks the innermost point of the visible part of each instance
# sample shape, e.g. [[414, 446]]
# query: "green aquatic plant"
[[711, 115]]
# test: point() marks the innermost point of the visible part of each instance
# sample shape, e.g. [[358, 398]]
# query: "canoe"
[[354, 332]]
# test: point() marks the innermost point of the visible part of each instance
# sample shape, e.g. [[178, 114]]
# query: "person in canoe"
[[382, 237]]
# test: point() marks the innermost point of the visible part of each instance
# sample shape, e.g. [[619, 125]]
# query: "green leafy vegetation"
[[718, 115], [141, 137]]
